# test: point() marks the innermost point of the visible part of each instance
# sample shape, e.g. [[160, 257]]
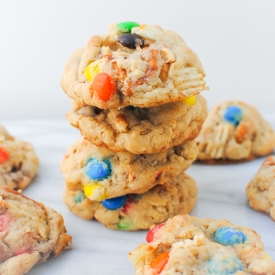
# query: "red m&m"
[[103, 86], [4, 155], [5, 220], [150, 235]]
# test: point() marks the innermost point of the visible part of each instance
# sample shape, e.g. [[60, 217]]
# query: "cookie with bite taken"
[[133, 65]]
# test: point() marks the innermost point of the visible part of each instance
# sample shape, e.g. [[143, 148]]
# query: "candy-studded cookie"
[[18, 161], [137, 211], [29, 233], [260, 191], [232, 132], [141, 130], [189, 245], [137, 65], [104, 174]]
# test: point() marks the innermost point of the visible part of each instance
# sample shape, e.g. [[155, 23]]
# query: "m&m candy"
[[131, 40], [229, 236], [224, 266], [159, 263], [4, 155], [95, 192], [98, 169], [191, 100], [114, 203], [125, 225], [5, 220], [103, 86], [91, 71], [126, 27], [150, 234], [233, 114], [266, 256], [79, 197]]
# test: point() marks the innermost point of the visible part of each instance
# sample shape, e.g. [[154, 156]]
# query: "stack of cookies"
[[136, 102]]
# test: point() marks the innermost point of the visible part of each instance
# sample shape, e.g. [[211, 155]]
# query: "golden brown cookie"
[[29, 233], [18, 161], [137, 211], [140, 130], [103, 174], [140, 66], [234, 132], [260, 191], [190, 245]]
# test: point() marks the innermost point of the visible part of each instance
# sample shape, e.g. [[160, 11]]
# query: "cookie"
[[18, 161], [142, 66], [104, 174], [30, 233], [140, 130], [136, 212], [234, 132], [260, 191], [190, 245]]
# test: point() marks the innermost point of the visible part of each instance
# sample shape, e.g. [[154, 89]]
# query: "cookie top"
[[260, 191], [137, 211], [190, 245], [29, 233], [103, 174], [140, 130], [18, 161], [141, 66], [234, 131]]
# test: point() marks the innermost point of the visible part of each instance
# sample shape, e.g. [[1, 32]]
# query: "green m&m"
[[126, 27]]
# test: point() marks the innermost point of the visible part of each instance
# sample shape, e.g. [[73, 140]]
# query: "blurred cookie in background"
[[260, 191], [18, 161], [234, 132]]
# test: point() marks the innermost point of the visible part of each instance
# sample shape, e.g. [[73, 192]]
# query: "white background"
[[235, 41]]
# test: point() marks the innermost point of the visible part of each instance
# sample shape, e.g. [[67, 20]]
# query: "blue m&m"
[[114, 203], [224, 266], [98, 169], [233, 114], [229, 236], [79, 196]]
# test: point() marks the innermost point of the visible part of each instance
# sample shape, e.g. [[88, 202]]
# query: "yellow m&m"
[[95, 192], [266, 256], [190, 100], [91, 71]]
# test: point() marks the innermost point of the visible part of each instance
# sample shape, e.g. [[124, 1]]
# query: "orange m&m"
[[103, 86], [4, 155], [159, 263]]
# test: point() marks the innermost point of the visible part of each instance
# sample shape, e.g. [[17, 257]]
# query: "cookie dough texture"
[[260, 191], [165, 70], [29, 233], [129, 173], [192, 249], [222, 142], [140, 130], [178, 196], [20, 162]]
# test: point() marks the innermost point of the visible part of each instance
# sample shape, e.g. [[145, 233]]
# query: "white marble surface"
[[97, 250]]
